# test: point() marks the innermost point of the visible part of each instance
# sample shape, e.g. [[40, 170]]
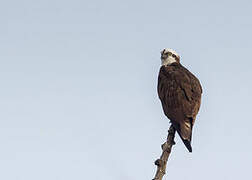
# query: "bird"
[[180, 94]]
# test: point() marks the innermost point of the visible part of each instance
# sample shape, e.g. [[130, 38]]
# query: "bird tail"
[[185, 132], [187, 144]]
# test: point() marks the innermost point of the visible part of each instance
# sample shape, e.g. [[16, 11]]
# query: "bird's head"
[[169, 56]]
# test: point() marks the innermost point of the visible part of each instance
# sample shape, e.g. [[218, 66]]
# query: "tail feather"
[[185, 133], [187, 144]]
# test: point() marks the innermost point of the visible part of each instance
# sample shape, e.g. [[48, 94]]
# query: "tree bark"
[[166, 147]]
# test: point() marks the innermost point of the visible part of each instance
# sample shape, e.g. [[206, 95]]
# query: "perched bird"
[[180, 94]]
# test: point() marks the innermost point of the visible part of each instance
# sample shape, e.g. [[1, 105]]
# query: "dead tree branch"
[[166, 147]]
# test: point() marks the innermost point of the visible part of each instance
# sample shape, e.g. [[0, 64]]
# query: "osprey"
[[180, 94]]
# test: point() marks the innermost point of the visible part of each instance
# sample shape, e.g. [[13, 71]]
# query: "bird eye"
[[162, 52]]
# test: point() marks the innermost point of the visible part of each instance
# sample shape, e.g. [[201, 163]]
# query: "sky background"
[[78, 88]]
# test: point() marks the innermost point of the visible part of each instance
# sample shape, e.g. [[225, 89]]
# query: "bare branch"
[[166, 147]]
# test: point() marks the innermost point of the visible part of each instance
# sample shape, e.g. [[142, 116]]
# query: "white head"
[[169, 56]]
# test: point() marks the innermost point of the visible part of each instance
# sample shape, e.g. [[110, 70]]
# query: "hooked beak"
[[163, 56]]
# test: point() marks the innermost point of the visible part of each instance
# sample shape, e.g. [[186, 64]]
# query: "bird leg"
[[166, 147]]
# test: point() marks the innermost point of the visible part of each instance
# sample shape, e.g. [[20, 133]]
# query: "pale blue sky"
[[78, 88]]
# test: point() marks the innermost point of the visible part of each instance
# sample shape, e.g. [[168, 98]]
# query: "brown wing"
[[180, 93]]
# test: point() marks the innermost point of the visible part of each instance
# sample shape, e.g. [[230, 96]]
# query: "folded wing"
[[180, 94]]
